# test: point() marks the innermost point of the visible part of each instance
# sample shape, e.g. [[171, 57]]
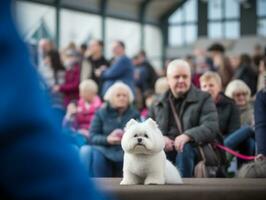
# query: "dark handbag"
[[212, 160], [212, 163]]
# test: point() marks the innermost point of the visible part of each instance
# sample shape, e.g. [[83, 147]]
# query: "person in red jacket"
[[70, 88]]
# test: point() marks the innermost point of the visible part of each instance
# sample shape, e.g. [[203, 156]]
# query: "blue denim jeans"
[[102, 166], [242, 140], [86, 157], [184, 161], [74, 138]]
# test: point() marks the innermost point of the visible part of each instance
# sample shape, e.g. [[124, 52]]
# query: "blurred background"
[[165, 29]]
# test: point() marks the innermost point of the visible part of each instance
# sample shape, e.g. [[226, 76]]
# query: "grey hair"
[[236, 86], [116, 86], [177, 63]]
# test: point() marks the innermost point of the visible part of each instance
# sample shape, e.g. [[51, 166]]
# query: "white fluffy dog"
[[144, 159]]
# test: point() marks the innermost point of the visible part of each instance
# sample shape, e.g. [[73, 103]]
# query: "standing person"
[[149, 68], [44, 46], [55, 73], [94, 59], [36, 163], [197, 113], [246, 72], [70, 87], [261, 74], [120, 70], [220, 63]]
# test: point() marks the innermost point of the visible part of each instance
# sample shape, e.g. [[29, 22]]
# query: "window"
[[223, 19], [127, 30], [261, 14], [183, 25]]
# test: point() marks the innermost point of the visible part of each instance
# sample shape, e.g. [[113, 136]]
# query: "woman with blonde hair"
[[228, 112], [242, 139]]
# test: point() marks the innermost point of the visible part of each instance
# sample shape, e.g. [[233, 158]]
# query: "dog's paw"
[[154, 182], [127, 182]]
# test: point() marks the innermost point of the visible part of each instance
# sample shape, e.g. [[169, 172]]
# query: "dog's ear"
[[130, 123], [152, 123]]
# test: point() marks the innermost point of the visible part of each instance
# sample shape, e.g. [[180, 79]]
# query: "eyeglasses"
[[239, 94]]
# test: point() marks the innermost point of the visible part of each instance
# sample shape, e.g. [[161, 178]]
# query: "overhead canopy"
[[146, 11]]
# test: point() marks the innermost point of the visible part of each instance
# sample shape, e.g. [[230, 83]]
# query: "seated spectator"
[[197, 114], [228, 112], [255, 169], [70, 87], [242, 139], [148, 100], [161, 86], [106, 131], [79, 117]]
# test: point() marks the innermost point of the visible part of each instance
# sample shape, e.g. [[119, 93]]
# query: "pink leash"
[[244, 157]]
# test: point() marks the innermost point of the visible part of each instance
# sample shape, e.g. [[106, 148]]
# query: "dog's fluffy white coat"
[[144, 158]]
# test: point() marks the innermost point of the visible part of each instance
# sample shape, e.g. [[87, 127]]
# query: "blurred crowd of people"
[[94, 97]]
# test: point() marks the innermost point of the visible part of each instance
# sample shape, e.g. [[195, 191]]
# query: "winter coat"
[[105, 121], [198, 116]]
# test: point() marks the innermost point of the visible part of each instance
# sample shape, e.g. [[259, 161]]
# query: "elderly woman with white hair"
[[106, 154], [243, 138]]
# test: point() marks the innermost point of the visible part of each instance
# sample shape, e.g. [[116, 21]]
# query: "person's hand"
[[118, 132], [84, 132], [180, 141], [71, 109], [99, 71], [87, 53], [115, 136], [56, 88], [260, 157], [218, 60], [113, 139], [169, 144]]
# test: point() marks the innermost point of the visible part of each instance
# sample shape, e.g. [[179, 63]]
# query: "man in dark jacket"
[[197, 114]]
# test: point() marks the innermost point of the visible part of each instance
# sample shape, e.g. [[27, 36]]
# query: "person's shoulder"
[[199, 93], [103, 110], [226, 100], [159, 99], [125, 59]]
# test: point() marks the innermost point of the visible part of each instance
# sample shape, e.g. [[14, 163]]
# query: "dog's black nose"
[[139, 140]]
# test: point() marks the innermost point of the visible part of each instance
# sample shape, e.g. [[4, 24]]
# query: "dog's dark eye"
[[135, 135], [145, 135]]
